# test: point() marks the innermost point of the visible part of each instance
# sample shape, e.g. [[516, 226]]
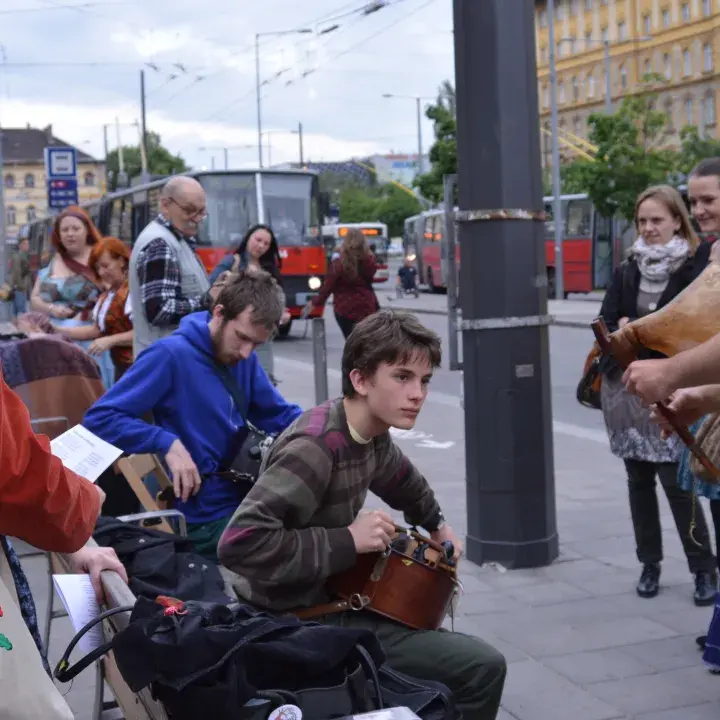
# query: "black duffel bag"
[[235, 663]]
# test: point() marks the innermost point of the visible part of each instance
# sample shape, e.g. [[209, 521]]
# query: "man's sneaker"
[[649, 584], [705, 588]]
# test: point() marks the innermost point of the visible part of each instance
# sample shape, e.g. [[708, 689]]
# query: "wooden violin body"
[[415, 592], [690, 319]]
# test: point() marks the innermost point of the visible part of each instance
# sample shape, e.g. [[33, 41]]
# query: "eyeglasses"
[[192, 212]]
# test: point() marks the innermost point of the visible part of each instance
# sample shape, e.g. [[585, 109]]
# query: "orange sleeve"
[[41, 501]]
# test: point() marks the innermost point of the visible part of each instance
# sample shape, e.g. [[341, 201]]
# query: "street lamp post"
[[300, 31], [557, 202], [418, 100]]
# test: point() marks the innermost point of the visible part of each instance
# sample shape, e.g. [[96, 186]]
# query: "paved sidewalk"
[[579, 311], [580, 644]]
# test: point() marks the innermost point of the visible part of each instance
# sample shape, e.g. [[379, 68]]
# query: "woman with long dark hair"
[[349, 281], [257, 250]]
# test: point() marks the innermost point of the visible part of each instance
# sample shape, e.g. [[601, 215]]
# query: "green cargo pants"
[[473, 670]]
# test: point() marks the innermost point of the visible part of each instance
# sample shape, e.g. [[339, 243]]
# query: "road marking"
[[439, 398]]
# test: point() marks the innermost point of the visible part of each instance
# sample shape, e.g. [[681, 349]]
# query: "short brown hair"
[[256, 289], [707, 168], [387, 336]]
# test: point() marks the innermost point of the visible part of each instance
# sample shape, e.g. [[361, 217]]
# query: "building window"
[[588, 39], [707, 7], [89, 179], [686, 12], [689, 111], [647, 24], [560, 11], [29, 180], [604, 3], [687, 63], [604, 34], [576, 126], [709, 114], [11, 215], [546, 95], [31, 213], [708, 57], [666, 17], [543, 18], [576, 7], [647, 66], [561, 92], [667, 63], [591, 85], [9, 181], [575, 89], [669, 113], [559, 49], [623, 77], [622, 31], [543, 54], [588, 4]]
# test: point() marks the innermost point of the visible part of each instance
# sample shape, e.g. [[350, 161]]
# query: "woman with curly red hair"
[[112, 327], [67, 288]]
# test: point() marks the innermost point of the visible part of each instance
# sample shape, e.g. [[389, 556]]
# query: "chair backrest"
[[134, 468]]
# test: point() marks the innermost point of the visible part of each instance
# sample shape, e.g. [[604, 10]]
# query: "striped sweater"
[[291, 532]]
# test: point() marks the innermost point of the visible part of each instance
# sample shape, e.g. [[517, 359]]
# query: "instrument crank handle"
[[603, 340], [421, 539]]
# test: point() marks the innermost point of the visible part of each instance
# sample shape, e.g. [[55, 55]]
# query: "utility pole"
[[557, 202], [3, 218], [300, 134], [421, 164], [508, 421], [227, 165], [143, 129], [105, 145], [258, 98]]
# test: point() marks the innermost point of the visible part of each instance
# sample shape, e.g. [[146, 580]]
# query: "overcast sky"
[[338, 79]]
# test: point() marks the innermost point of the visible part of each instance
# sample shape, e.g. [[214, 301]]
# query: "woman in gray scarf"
[[660, 266]]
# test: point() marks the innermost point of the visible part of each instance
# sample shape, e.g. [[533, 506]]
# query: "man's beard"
[[216, 339]]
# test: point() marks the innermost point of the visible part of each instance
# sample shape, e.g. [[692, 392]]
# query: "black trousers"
[[646, 515], [346, 325]]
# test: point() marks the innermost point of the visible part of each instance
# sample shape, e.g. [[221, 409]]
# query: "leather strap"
[[330, 608]]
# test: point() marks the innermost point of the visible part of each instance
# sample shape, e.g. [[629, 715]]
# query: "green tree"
[[631, 155], [694, 148], [443, 153], [160, 160], [387, 203]]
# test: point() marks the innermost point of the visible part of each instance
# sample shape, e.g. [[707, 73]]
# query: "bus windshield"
[[291, 208], [231, 209]]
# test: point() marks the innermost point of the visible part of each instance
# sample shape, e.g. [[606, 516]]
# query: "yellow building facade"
[[676, 39], [23, 176]]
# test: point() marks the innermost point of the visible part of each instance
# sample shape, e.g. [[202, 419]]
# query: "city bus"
[[288, 201], [593, 246], [377, 237]]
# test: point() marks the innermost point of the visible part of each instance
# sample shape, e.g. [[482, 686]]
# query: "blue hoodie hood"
[[176, 379]]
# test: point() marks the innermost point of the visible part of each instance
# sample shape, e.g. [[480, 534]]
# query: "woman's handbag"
[[26, 690], [588, 389], [708, 439]]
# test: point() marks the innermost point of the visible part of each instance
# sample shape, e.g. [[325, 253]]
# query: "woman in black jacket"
[[662, 263]]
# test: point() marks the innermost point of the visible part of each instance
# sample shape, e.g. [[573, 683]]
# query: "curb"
[[583, 324]]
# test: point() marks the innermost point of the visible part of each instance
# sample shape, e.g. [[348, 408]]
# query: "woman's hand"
[[623, 321], [99, 346], [61, 312]]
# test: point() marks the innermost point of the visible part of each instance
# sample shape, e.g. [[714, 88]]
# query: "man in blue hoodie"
[[198, 428]]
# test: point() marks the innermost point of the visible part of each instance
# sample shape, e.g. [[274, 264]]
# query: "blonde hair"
[[675, 205], [353, 251]]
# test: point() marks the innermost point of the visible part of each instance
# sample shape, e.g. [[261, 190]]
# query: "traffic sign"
[[60, 163], [62, 193]]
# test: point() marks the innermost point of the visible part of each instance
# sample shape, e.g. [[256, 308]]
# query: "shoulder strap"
[[233, 387]]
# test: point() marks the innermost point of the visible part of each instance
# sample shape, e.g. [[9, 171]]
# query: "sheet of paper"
[[84, 453], [78, 597]]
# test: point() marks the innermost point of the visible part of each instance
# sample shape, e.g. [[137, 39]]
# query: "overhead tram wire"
[[269, 80]]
